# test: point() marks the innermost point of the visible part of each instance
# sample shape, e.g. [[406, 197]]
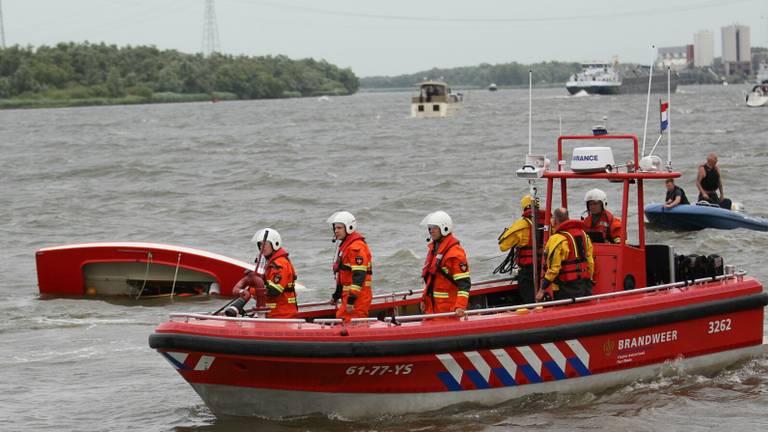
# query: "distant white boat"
[[435, 99], [492, 87], [758, 96], [324, 99]]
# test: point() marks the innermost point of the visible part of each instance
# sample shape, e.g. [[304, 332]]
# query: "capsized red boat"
[[640, 317], [137, 270]]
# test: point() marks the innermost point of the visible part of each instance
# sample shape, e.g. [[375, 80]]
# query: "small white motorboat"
[[758, 97]]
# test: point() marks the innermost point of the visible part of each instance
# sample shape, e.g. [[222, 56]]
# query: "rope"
[[176, 273], [146, 273], [508, 264]]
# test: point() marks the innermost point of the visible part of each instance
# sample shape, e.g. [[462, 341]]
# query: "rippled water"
[[209, 175]]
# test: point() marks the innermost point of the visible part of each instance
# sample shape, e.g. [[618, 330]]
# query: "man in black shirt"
[[675, 195], [709, 183]]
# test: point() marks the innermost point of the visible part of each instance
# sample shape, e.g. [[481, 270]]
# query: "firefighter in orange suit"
[[446, 270], [518, 236], [352, 267], [569, 262], [600, 224], [276, 275]]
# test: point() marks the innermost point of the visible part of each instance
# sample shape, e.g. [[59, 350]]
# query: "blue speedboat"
[[696, 217]]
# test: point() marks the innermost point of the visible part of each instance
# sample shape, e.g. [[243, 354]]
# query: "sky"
[[391, 37]]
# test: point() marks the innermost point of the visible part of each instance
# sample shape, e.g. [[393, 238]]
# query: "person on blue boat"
[[518, 237], [569, 263], [709, 183], [675, 195], [600, 224]]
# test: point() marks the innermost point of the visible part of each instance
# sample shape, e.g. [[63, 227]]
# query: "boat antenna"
[[560, 125], [530, 108], [648, 101], [669, 119], [532, 189]]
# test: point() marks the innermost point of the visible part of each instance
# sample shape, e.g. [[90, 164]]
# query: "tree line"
[[506, 74], [86, 70]]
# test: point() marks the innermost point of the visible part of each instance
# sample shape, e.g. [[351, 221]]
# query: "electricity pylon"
[[210, 30]]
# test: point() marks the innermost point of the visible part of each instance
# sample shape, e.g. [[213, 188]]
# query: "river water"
[[209, 175]]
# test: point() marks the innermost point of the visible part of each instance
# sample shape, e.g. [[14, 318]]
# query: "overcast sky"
[[390, 37]]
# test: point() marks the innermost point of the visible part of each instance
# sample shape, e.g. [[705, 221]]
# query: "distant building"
[[737, 50], [677, 58], [703, 48]]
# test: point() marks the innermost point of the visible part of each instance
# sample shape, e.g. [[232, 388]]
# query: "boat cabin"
[[435, 99], [627, 264]]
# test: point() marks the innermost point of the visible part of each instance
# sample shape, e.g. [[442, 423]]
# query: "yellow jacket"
[[558, 249], [515, 236]]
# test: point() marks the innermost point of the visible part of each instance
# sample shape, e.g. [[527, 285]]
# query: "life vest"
[[525, 253], [280, 277], [575, 266], [711, 180], [344, 271], [447, 277], [600, 230], [433, 263]]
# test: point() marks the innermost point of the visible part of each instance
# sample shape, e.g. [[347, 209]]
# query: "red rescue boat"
[[138, 270], [640, 317]]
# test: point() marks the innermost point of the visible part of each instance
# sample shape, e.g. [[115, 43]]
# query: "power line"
[[666, 10], [210, 30]]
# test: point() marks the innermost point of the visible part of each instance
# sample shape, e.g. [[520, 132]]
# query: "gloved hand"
[[545, 283]]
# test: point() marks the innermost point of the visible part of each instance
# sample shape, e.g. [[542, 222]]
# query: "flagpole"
[[648, 101], [669, 119]]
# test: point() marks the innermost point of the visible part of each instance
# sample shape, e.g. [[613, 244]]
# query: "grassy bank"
[[62, 102]]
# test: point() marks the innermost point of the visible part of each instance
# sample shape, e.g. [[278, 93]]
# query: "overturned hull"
[[138, 270]]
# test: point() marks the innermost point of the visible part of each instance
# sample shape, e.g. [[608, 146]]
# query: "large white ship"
[[608, 79]]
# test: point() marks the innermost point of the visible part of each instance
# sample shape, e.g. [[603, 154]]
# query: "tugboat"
[[648, 307], [435, 99]]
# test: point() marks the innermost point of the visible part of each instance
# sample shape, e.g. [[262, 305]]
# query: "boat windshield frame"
[[626, 178]]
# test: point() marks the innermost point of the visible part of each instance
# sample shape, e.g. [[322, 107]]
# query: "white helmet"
[[441, 219], [272, 236], [344, 217], [596, 195]]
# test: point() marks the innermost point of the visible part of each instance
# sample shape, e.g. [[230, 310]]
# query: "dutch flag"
[[664, 119]]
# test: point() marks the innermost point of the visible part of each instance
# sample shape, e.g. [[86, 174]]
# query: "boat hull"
[[435, 109], [285, 404], [628, 85], [372, 369], [694, 217], [755, 100], [134, 269]]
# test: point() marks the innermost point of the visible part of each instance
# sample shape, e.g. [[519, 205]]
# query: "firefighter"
[[277, 276], [569, 262], [600, 224], [352, 267], [446, 271], [518, 238]]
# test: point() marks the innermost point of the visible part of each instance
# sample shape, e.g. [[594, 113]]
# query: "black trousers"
[[525, 289], [577, 288]]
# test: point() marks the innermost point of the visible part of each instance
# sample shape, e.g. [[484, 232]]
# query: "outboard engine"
[[693, 266]]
